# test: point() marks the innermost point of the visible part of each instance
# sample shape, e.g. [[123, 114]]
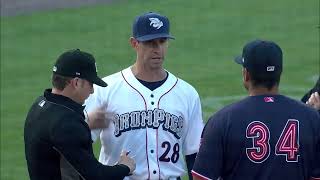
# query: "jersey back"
[[261, 137]]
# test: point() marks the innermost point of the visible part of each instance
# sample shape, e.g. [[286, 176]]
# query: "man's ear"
[[246, 75], [74, 82], [133, 42]]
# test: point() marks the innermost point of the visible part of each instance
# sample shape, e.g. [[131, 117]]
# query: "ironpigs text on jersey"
[[151, 118]]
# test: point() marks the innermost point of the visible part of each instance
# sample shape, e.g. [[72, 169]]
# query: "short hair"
[[268, 82], [59, 81]]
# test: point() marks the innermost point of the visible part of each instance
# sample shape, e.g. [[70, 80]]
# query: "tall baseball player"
[[266, 136], [158, 116]]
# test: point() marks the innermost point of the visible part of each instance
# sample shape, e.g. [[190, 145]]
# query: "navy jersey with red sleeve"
[[261, 137]]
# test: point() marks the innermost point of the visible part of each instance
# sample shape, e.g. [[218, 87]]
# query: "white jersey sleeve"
[[192, 140]]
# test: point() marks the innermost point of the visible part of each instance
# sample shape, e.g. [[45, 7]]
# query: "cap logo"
[[95, 64], [242, 60], [54, 69], [270, 68], [156, 23], [77, 73]]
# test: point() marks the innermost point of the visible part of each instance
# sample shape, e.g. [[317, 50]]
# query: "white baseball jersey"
[[158, 127]]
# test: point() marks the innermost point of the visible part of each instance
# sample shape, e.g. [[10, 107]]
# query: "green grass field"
[[209, 34]]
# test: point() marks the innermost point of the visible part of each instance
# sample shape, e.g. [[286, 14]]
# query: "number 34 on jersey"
[[287, 144]]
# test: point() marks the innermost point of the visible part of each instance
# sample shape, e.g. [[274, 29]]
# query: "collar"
[[63, 100]]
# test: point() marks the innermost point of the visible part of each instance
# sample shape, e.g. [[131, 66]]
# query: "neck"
[[65, 92], [58, 92], [147, 74], [256, 91]]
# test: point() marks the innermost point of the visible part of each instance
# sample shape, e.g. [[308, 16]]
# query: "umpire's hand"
[[314, 101], [100, 118], [127, 161]]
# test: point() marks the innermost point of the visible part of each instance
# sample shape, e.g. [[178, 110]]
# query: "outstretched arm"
[[71, 138]]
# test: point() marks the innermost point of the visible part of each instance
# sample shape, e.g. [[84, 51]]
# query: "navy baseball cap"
[[263, 58], [76, 63], [151, 26]]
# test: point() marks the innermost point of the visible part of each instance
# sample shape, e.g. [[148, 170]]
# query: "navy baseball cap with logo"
[[76, 63], [262, 58], [151, 26]]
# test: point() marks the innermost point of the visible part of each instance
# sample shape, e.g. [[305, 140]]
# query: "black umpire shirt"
[[58, 140]]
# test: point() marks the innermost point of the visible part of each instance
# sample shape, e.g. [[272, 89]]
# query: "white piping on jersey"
[[145, 106], [158, 129], [158, 155], [147, 153]]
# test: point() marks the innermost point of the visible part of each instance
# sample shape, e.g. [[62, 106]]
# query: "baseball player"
[[158, 116], [264, 136]]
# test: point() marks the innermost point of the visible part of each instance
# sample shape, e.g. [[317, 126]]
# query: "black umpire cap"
[[76, 63]]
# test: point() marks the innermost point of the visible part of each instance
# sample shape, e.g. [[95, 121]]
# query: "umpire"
[[57, 139]]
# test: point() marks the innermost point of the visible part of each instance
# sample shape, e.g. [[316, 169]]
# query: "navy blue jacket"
[[261, 137]]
